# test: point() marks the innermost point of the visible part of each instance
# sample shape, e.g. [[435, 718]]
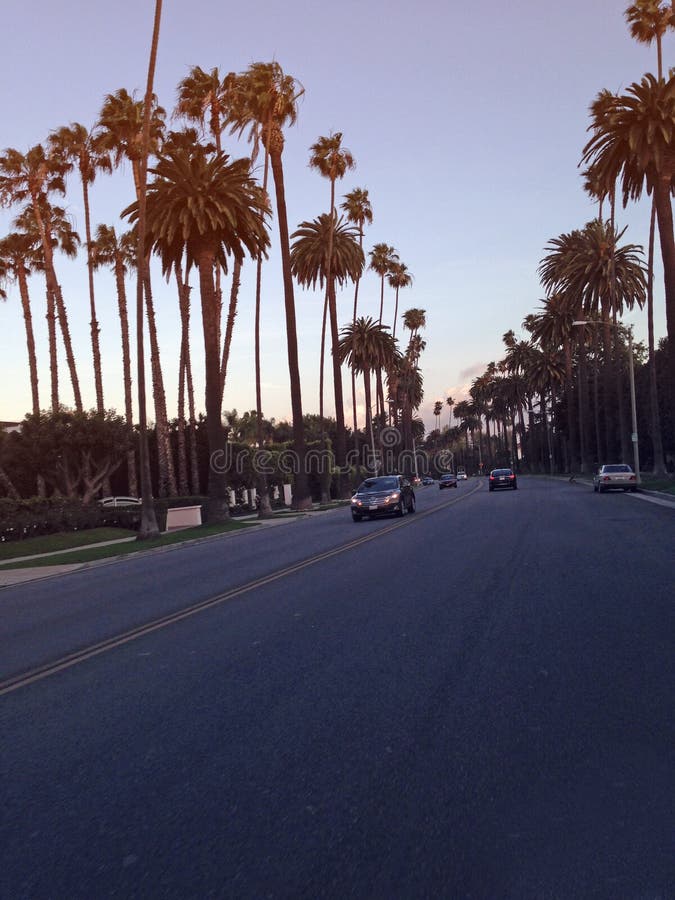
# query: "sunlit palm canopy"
[[633, 136], [365, 345], [591, 266], [357, 207], [309, 252], [330, 158], [199, 201]]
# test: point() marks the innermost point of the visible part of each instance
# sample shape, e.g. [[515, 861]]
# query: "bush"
[[20, 519]]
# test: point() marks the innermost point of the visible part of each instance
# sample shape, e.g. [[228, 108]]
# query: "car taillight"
[[606, 478], [512, 476], [632, 478], [492, 477]]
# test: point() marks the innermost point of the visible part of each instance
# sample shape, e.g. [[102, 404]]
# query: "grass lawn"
[[49, 543], [650, 483], [83, 554]]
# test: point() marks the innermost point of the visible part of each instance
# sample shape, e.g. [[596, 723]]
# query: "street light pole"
[[631, 372]]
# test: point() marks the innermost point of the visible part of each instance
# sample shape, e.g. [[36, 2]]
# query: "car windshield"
[[620, 468], [447, 477], [502, 472], [379, 484]]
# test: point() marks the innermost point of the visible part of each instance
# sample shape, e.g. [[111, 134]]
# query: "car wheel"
[[491, 489], [515, 487], [356, 517], [595, 488], [633, 490], [601, 489], [413, 506], [401, 509]]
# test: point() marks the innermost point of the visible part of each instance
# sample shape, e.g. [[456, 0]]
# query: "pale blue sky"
[[466, 122]]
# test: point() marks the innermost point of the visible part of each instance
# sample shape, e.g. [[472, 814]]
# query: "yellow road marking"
[[66, 662]]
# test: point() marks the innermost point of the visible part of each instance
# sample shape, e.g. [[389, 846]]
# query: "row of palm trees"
[[205, 211], [590, 276]]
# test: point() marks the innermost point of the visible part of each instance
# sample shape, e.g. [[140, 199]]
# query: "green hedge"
[[21, 519]]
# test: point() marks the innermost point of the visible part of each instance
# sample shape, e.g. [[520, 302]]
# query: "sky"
[[466, 122]]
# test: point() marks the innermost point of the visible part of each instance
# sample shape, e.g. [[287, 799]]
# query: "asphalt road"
[[474, 703]]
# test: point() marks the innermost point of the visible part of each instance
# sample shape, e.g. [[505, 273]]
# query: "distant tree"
[[75, 452]]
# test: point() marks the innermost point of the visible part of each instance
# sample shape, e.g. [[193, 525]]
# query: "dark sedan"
[[503, 478], [383, 495], [448, 480]]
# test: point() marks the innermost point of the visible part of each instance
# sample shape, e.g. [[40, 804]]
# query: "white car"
[[461, 476], [119, 501], [617, 476]]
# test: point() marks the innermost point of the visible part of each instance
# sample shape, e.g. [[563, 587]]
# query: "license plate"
[[373, 506]]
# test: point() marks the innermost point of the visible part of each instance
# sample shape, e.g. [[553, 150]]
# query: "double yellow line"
[[72, 659]]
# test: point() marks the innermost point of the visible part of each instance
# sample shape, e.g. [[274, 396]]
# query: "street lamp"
[[634, 436]]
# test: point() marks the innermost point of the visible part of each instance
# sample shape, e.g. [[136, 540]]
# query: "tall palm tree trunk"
[[30, 338], [262, 487], [572, 448], [218, 505], [340, 436], [55, 291], [229, 325], [67, 343], [167, 475], [301, 495], [356, 299], [148, 527], [126, 370], [53, 356], [664, 217], [659, 466], [183, 487], [192, 433], [93, 325], [184, 306]]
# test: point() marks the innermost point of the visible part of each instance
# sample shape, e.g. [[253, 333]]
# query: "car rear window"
[[621, 468]]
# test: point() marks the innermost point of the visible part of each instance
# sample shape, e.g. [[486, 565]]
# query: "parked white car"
[[119, 501], [615, 476]]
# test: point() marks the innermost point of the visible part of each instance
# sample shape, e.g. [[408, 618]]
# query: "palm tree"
[[358, 210], [365, 345], [648, 21], [332, 160], [399, 277], [382, 259], [31, 178], [119, 254], [148, 527], [438, 409], [121, 131], [607, 277], [17, 258], [326, 251], [268, 102], [74, 145], [206, 207], [450, 402], [632, 139], [552, 327], [413, 320], [201, 96], [63, 237]]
